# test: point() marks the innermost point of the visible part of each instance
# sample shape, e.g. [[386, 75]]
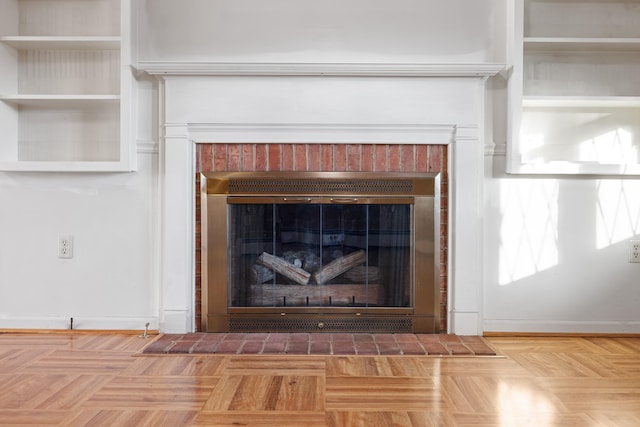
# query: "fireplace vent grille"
[[321, 186], [371, 325]]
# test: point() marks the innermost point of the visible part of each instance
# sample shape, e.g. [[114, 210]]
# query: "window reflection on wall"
[[529, 227]]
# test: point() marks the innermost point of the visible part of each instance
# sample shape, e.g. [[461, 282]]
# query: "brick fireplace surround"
[[273, 157]]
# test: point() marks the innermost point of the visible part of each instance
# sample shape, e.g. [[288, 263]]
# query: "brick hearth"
[[321, 344]]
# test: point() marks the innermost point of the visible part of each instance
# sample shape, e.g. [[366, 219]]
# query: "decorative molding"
[[492, 148], [317, 133], [147, 147], [466, 132], [318, 69]]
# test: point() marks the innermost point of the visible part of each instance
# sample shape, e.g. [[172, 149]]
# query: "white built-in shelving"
[[575, 87], [65, 85]]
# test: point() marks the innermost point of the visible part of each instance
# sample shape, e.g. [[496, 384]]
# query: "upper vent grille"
[[320, 186]]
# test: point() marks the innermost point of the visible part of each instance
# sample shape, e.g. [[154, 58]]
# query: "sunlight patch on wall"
[[533, 142], [617, 211], [615, 147], [529, 228]]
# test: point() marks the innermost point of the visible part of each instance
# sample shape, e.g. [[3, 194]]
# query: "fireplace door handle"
[[344, 200], [297, 199]]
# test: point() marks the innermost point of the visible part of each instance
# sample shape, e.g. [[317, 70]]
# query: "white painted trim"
[[464, 322], [79, 323], [147, 147], [319, 133], [184, 121], [492, 148], [177, 252], [176, 321], [465, 236], [559, 326], [319, 69]]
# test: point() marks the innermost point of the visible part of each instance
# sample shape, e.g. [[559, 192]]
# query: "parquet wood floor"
[[103, 380]]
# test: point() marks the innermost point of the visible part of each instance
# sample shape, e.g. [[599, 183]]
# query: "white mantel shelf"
[[319, 69]]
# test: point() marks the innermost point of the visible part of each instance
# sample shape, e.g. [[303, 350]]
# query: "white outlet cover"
[[65, 246], [634, 251]]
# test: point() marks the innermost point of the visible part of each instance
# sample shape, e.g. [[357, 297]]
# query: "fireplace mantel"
[[206, 103], [319, 69]]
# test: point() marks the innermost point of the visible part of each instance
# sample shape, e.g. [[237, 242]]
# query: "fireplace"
[[320, 251], [389, 117]]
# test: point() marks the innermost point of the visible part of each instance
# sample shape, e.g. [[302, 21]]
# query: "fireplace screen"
[[320, 252], [311, 251]]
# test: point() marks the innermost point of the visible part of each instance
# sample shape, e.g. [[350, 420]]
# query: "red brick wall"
[[328, 158]]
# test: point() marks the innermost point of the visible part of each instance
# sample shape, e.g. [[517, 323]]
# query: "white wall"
[[580, 280], [330, 31], [107, 284], [112, 280], [556, 253]]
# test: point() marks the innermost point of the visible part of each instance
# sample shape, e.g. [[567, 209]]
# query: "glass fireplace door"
[[319, 253]]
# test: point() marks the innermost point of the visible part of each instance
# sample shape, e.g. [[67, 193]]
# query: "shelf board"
[[63, 166], [581, 101], [59, 100], [575, 168], [551, 44], [61, 42]]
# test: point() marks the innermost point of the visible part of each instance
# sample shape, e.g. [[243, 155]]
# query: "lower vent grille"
[[302, 324]]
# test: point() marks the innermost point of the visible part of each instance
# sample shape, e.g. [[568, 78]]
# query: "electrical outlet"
[[65, 246], [634, 250]]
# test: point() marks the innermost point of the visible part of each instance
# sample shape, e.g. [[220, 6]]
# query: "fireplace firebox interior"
[[344, 252]]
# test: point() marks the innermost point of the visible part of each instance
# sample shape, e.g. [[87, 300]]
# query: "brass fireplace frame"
[[424, 191]]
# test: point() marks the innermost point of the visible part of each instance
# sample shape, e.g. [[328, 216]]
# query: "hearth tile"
[[299, 337], [320, 347], [205, 347], [277, 337], [256, 337], [406, 338], [229, 346], [342, 337], [234, 336], [366, 348], [454, 344], [379, 338], [363, 338], [388, 347], [411, 348], [458, 349], [343, 347], [274, 347], [320, 337], [435, 348], [182, 347], [159, 346], [297, 347], [252, 347], [194, 337], [477, 345], [213, 337], [428, 338]]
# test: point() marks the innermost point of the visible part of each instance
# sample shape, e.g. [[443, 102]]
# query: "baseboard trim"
[[488, 334], [79, 331]]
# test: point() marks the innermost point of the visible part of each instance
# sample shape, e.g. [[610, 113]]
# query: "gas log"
[[285, 268], [339, 266]]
